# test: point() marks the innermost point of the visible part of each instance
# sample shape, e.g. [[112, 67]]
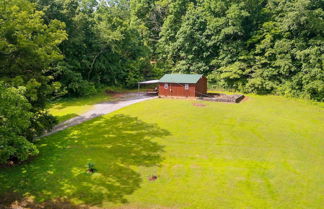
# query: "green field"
[[266, 152]]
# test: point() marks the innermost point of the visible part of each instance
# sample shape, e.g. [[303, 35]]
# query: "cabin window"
[[166, 86], [186, 86]]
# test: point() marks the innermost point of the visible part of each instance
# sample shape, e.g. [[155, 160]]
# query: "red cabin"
[[182, 85]]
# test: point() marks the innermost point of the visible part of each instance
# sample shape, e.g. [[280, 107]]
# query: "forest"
[[71, 48]]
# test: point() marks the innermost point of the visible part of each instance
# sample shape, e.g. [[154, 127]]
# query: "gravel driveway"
[[102, 109]]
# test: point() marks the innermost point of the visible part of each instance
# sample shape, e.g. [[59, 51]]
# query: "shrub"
[[75, 84]]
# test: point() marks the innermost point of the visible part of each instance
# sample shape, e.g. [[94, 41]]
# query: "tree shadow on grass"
[[13, 200], [117, 145]]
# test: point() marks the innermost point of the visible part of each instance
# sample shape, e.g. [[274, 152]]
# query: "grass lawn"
[[266, 152], [68, 108], [65, 109]]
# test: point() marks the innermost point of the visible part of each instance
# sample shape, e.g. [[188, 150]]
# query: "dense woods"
[[55, 48]]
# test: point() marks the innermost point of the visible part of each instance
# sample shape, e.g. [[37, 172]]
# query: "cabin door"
[[174, 90], [186, 90], [171, 90]]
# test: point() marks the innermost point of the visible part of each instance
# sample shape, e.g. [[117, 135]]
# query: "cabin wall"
[[201, 87], [177, 90]]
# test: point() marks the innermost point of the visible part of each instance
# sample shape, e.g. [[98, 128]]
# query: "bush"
[[75, 84]]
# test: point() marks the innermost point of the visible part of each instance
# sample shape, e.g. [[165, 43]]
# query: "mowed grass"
[[68, 108], [266, 152]]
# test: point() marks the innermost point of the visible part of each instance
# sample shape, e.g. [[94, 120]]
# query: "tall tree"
[[28, 51]]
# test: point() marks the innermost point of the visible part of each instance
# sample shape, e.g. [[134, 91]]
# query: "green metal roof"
[[180, 78]]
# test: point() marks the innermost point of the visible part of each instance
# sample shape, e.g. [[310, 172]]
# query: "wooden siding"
[[201, 87], [178, 90]]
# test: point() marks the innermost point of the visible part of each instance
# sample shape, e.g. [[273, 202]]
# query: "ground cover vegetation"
[[71, 48], [266, 152]]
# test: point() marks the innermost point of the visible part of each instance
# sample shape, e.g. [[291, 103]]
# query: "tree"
[[28, 52], [277, 49], [103, 47], [190, 51], [28, 46], [15, 119]]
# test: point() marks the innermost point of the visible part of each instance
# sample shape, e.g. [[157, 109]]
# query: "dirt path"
[[102, 109]]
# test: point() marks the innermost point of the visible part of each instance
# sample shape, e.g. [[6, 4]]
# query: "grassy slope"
[[264, 153]]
